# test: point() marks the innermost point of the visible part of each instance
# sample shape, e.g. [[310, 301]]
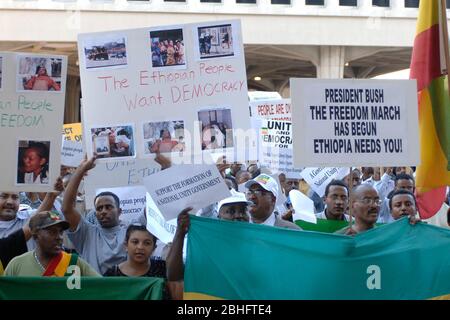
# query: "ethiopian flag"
[[238, 260], [85, 288], [429, 65]]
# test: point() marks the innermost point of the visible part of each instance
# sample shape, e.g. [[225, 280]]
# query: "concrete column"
[[331, 62]]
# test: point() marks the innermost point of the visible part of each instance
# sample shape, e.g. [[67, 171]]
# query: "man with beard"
[[336, 200], [365, 205], [263, 192], [101, 245], [11, 220], [48, 259]]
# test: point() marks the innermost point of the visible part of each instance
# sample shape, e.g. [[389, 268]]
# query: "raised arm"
[[174, 261], [49, 200], [68, 206]]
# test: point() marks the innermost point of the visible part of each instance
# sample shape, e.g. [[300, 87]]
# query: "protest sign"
[[303, 207], [73, 132], [179, 90], [279, 109], [132, 201], [319, 178], [157, 224], [183, 186], [275, 146], [117, 174], [32, 95], [72, 153], [354, 122]]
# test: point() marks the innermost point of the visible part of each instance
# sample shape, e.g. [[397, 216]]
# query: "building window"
[[280, 1], [348, 3], [380, 3], [314, 2], [214, 1], [411, 3], [246, 1]]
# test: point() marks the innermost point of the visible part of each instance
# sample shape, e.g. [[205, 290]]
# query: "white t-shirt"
[[270, 221], [29, 179]]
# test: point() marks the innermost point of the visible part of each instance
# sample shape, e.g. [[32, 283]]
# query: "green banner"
[[324, 225], [233, 260], [90, 288]]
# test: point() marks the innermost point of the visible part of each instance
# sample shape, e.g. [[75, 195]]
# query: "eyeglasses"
[[369, 201], [257, 193]]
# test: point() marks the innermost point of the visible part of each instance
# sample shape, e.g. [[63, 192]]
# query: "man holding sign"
[[100, 245]]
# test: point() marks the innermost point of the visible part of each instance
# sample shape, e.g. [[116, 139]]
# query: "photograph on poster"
[[33, 162], [39, 74], [105, 51], [167, 48], [215, 41], [113, 142], [216, 128], [163, 137]]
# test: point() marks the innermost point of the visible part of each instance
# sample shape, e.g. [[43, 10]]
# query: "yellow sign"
[[72, 131]]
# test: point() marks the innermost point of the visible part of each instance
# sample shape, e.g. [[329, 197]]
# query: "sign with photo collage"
[[32, 97], [178, 90]]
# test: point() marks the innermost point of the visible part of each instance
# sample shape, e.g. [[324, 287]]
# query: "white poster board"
[[180, 90], [117, 174], [132, 201], [275, 147], [303, 207], [72, 152], [319, 178], [32, 96], [279, 109], [157, 224], [183, 186], [355, 122]]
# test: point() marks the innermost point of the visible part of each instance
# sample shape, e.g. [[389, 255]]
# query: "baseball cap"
[[237, 197], [266, 182], [45, 219]]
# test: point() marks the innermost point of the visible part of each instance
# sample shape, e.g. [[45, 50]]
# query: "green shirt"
[[25, 265]]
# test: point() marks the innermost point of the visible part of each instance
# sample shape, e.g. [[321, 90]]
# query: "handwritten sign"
[[183, 186], [189, 74], [355, 122], [117, 174], [32, 96]]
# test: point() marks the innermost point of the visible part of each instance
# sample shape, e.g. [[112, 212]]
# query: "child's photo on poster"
[[33, 162]]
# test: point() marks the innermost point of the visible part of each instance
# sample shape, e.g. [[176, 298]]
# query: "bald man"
[[365, 205]]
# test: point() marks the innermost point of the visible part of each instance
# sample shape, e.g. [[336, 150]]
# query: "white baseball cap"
[[267, 182], [237, 197]]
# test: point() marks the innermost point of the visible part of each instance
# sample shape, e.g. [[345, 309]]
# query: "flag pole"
[[445, 40], [350, 184]]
